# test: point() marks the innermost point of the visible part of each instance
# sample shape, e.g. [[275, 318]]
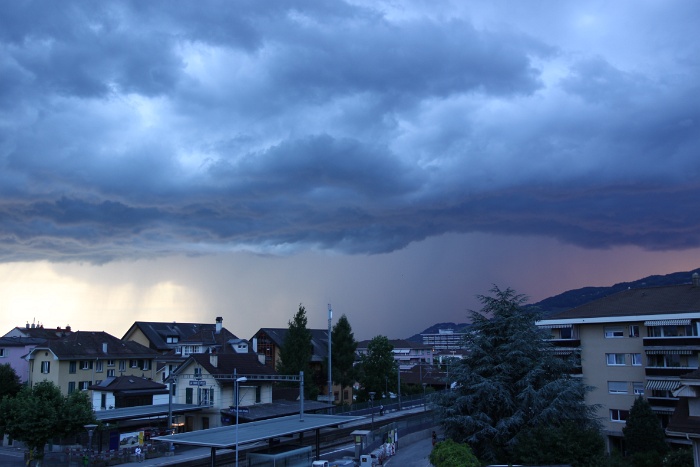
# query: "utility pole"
[[331, 399]]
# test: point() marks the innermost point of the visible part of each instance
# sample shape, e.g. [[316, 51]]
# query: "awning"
[[668, 322], [663, 410], [555, 326], [668, 352], [663, 384]]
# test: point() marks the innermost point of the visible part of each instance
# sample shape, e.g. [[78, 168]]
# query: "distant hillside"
[[577, 297], [574, 298]]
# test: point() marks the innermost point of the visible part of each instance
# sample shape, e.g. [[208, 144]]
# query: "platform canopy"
[[143, 411], [225, 437]]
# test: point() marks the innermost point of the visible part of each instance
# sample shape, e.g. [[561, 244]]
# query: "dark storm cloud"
[[134, 129]]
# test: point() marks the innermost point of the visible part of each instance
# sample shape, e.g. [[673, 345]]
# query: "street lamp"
[[371, 401], [90, 429], [242, 379]]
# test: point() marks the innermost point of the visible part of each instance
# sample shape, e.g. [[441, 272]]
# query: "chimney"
[[68, 328], [219, 324], [255, 344], [696, 279]]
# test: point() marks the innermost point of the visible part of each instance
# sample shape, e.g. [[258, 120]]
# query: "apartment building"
[[83, 358], [445, 340], [638, 342]]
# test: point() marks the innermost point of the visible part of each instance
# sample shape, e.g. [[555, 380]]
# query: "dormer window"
[[172, 339]]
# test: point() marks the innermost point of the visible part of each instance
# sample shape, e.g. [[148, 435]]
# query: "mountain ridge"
[[577, 297]]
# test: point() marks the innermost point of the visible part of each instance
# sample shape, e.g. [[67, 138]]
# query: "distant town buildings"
[[444, 339]]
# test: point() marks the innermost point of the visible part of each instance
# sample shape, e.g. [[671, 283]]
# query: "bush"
[[450, 454], [682, 457]]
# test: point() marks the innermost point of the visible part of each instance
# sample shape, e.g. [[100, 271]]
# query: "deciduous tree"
[[10, 383], [40, 413], [376, 366], [450, 454]]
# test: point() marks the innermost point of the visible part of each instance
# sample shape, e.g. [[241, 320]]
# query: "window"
[[615, 358], [133, 363], [172, 339], [614, 332], [86, 364], [188, 395], [634, 330], [617, 387], [98, 366], [45, 367], [71, 387], [636, 359], [565, 333], [122, 365], [146, 365], [110, 372], [2, 352], [72, 366], [110, 362], [84, 385], [638, 389], [206, 396], [617, 415], [197, 372]]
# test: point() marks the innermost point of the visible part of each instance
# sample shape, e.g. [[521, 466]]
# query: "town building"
[[14, 349], [83, 358], [268, 342], [638, 342], [445, 340], [208, 381]]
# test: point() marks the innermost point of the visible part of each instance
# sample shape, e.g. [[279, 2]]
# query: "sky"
[[179, 161]]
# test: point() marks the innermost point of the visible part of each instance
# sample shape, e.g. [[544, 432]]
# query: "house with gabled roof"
[[268, 342], [83, 358], [177, 341], [39, 332], [208, 380], [118, 392], [13, 351], [182, 338], [638, 342]]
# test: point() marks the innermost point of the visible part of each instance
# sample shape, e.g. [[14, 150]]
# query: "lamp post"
[[371, 402], [238, 380], [398, 382], [90, 429]]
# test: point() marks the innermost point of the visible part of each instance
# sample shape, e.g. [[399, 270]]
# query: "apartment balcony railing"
[[663, 401], [668, 371], [565, 342], [691, 342]]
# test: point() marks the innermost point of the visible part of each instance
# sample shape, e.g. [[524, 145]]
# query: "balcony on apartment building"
[[672, 334], [566, 344]]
